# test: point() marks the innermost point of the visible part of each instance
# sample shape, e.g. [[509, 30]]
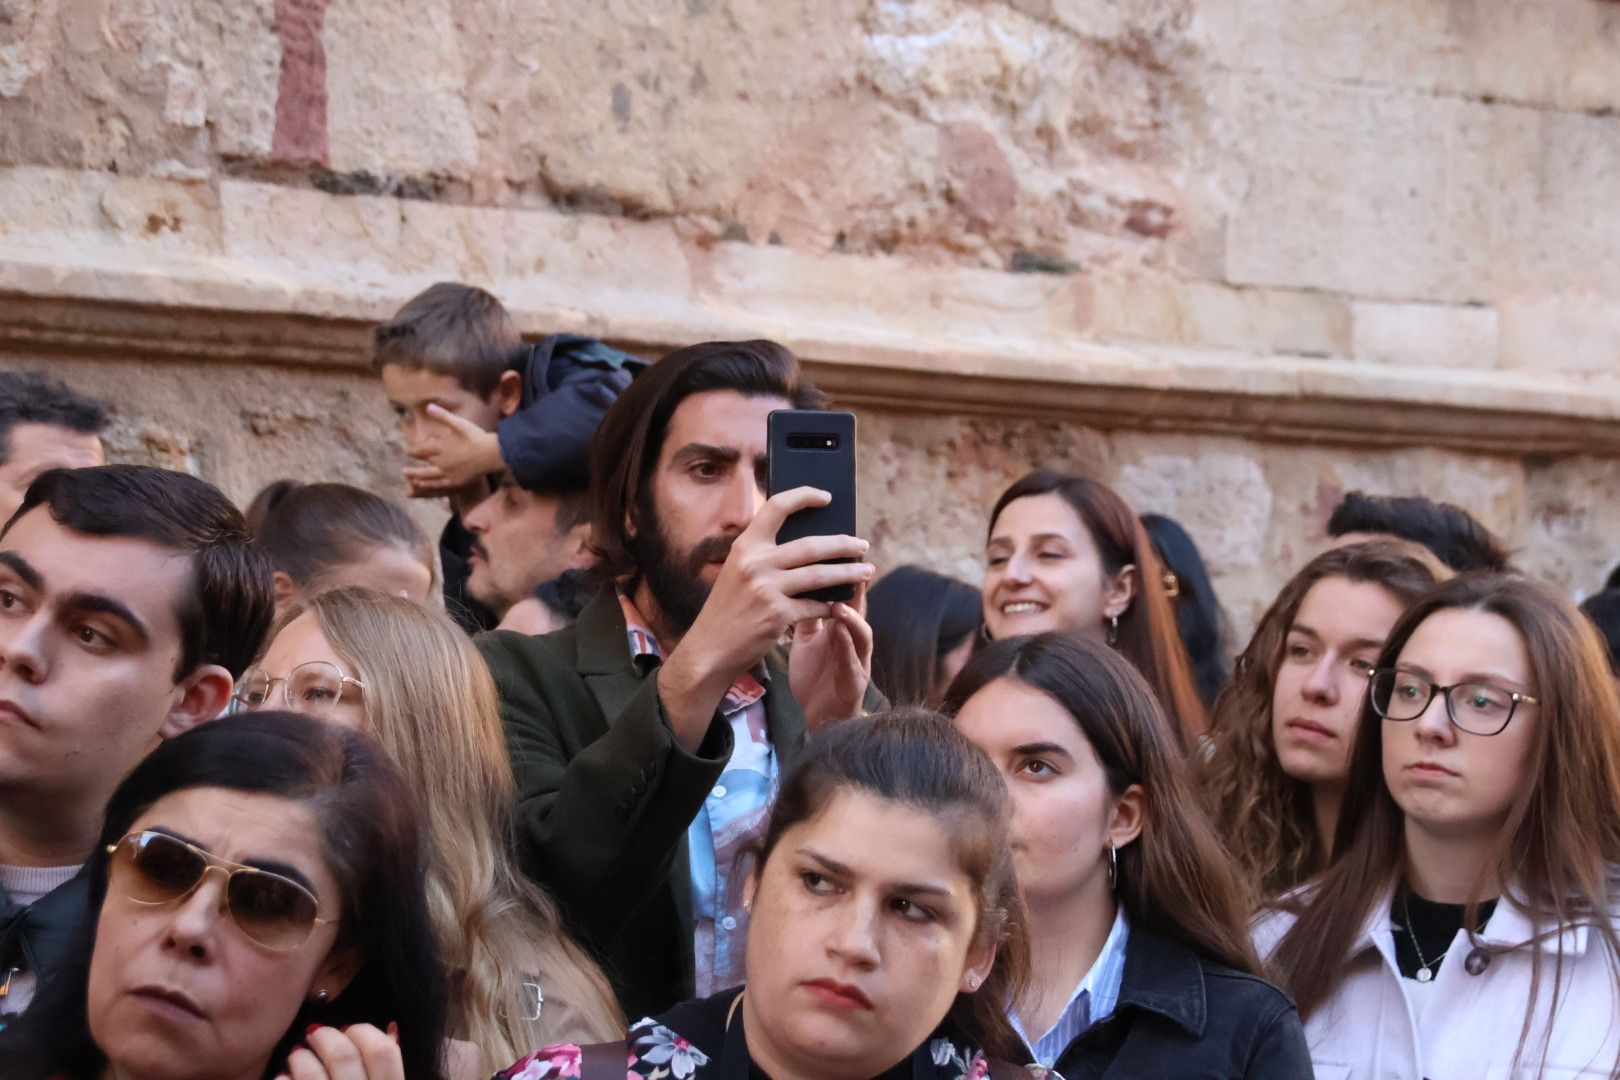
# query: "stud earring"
[[322, 996], [973, 982]]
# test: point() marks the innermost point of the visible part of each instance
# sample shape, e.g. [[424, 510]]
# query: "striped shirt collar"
[[645, 652], [1093, 1000]]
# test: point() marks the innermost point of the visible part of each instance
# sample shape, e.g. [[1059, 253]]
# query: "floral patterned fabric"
[[694, 1042]]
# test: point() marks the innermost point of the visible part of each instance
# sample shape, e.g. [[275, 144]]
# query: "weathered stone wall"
[[1235, 255]]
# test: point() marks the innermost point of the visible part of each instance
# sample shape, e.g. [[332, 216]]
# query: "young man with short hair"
[[647, 738], [130, 600], [43, 425], [474, 401], [1452, 534]]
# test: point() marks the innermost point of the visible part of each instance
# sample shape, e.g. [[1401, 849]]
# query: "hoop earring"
[[1112, 635], [984, 632], [1113, 866]]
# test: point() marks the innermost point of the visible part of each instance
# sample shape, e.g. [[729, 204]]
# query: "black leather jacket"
[[1182, 1017]]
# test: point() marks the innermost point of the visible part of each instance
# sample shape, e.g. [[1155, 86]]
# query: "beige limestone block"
[[1221, 498], [68, 208], [1571, 533], [1572, 332], [397, 73], [1164, 309], [140, 85], [1397, 196], [369, 245], [1563, 54], [1426, 335]]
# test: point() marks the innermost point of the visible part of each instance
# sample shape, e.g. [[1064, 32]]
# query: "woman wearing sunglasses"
[[257, 910], [1467, 926], [409, 677]]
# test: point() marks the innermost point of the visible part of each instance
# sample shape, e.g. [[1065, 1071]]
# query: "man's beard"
[[674, 578]]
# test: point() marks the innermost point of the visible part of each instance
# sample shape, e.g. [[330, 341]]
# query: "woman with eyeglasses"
[[1281, 732], [256, 910], [406, 675], [1067, 553], [1468, 926], [1142, 965]]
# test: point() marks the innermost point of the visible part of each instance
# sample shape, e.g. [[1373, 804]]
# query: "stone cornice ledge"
[[202, 309]]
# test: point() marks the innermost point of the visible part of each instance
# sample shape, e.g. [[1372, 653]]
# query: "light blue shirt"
[[1093, 1000]]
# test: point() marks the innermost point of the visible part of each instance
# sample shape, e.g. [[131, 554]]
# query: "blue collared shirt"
[[732, 820], [1093, 1000]]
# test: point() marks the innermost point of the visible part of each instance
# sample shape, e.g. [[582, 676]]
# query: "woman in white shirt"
[[1466, 929]]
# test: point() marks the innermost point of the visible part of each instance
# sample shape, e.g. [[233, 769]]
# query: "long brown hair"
[[631, 435], [431, 702], [1148, 636], [1267, 816], [1561, 840], [1175, 879], [918, 757]]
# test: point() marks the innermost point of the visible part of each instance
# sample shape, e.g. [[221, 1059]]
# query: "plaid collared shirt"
[[733, 816]]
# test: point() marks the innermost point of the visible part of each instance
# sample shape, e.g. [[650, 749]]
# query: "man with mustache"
[[646, 738], [523, 539], [130, 600]]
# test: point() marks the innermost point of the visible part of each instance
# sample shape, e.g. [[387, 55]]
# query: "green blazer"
[[606, 793]]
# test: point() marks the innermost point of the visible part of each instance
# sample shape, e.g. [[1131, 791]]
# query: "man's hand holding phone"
[[756, 597]]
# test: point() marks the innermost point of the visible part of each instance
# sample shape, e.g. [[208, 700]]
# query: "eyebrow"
[[96, 604], [23, 569], [271, 866], [1033, 749], [1038, 538], [1355, 644], [690, 451], [1495, 678], [908, 888]]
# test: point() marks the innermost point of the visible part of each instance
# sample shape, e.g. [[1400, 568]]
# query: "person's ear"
[[1128, 817], [508, 394], [581, 555], [198, 698], [286, 590], [1118, 592], [335, 974]]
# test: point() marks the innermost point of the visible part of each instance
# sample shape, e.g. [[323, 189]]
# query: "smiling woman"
[[885, 935], [256, 905], [1067, 553]]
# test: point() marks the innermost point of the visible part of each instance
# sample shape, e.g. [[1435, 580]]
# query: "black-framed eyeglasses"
[[1479, 708], [312, 688], [154, 868]]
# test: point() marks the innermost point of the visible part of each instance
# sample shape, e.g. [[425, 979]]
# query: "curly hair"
[[1266, 815]]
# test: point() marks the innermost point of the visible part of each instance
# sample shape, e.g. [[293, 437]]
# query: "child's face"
[[411, 391]]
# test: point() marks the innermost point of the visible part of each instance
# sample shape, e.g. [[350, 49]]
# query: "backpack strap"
[[604, 1061]]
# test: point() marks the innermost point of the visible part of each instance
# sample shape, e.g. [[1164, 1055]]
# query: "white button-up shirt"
[[1470, 1024]]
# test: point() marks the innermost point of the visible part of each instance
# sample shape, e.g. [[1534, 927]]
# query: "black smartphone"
[[806, 448]]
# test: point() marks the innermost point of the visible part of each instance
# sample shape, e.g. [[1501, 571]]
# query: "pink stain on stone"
[[301, 136]]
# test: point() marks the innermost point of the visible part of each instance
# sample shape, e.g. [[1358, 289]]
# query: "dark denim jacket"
[[1181, 1017]]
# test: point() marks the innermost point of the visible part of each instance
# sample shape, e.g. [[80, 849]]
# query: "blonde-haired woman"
[[408, 676]]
